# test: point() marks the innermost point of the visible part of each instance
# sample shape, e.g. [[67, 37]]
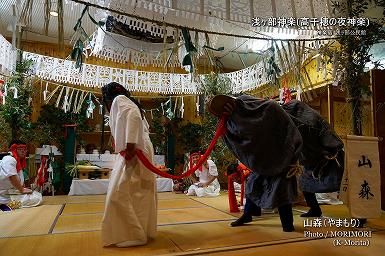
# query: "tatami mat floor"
[[70, 225]]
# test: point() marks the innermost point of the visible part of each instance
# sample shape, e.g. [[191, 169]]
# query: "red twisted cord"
[[221, 129]]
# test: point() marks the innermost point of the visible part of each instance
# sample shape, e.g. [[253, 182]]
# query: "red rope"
[[219, 132]]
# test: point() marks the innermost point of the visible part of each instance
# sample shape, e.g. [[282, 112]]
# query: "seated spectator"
[[13, 194], [208, 184]]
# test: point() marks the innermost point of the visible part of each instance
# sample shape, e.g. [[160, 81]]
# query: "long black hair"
[[112, 90]]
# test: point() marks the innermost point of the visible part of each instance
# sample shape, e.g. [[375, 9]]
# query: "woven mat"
[[28, 221], [92, 221], [83, 243]]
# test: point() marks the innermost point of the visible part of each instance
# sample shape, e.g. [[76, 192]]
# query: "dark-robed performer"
[[322, 154], [265, 139]]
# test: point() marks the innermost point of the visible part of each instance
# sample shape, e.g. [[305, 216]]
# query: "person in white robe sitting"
[[130, 217], [208, 184], [13, 194]]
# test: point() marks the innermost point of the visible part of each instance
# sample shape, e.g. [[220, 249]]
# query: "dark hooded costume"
[[265, 139], [322, 152]]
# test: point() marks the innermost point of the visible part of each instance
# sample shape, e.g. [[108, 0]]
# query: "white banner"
[[7, 56], [64, 71], [361, 184]]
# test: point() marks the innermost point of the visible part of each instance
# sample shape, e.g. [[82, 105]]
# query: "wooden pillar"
[[293, 9], [378, 78], [174, 4], [228, 7], [331, 105], [251, 9], [372, 106], [273, 8]]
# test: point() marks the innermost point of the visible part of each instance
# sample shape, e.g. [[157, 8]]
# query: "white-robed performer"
[[130, 216], [12, 180], [208, 184]]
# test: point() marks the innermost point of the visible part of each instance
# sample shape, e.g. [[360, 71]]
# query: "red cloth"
[[221, 129], [42, 172], [241, 172], [244, 171], [20, 163], [233, 204]]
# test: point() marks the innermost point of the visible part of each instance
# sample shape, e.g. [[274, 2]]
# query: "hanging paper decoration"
[[50, 177], [273, 71], [175, 105], [182, 108], [174, 49], [70, 100], [101, 109], [197, 105], [106, 120], [75, 101], [190, 48], [280, 57], [5, 90], [14, 91], [93, 76], [90, 108], [161, 104], [66, 105], [299, 91], [4, 94], [59, 97], [50, 95], [80, 38], [169, 113], [280, 96], [80, 103], [45, 92]]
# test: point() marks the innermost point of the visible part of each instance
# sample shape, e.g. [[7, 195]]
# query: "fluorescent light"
[[53, 13]]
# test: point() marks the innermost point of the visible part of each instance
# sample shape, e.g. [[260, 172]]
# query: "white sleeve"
[[7, 167], [213, 170], [126, 122]]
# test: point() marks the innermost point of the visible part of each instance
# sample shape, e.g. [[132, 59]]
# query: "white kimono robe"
[[130, 216], [8, 192], [212, 189]]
